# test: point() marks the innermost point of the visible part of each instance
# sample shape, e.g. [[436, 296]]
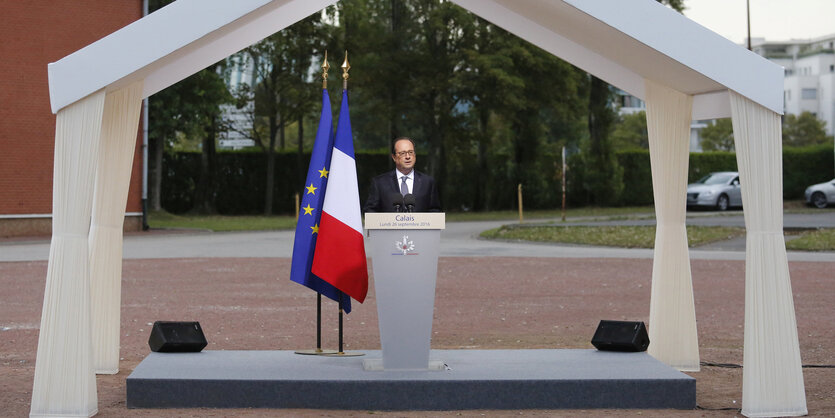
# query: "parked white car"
[[716, 190], [822, 194]]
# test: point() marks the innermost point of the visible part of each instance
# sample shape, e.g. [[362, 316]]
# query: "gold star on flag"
[[315, 229], [311, 189], [308, 210], [323, 173]]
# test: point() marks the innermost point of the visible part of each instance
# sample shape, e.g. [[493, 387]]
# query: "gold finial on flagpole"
[[345, 68], [325, 68]]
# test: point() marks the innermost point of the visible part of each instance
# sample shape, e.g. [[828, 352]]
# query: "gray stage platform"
[[474, 379]]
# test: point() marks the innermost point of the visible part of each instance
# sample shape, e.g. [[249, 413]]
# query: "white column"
[[672, 313], [772, 378], [120, 125], [65, 384]]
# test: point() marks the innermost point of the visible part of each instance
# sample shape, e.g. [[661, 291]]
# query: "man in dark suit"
[[388, 188]]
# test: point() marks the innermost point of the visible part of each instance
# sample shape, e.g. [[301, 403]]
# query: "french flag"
[[339, 258]]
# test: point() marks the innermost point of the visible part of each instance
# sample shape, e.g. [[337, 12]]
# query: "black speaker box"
[[621, 336], [177, 337]]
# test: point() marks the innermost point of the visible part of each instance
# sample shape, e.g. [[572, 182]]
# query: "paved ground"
[[490, 295], [458, 240]]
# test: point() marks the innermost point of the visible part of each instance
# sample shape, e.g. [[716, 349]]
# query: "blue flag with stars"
[[313, 197]]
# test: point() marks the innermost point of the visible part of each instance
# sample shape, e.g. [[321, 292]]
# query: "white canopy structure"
[[682, 70]]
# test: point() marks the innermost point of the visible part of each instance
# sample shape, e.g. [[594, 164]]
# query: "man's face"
[[404, 156]]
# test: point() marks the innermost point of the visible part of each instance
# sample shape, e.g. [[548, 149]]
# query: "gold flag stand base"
[[345, 354], [316, 352]]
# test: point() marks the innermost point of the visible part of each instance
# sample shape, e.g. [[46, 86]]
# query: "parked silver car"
[[717, 190], [822, 194]]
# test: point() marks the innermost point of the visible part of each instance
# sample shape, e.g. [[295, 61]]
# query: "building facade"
[[628, 104], [809, 84], [34, 33], [810, 74]]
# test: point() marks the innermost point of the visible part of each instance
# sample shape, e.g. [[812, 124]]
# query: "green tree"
[[631, 132], [605, 179], [804, 129], [382, 43], [437, 88], [718, 136], [677, 5], [493, 86], [206, 99], [163, 125], [190, 108], [280, 94]]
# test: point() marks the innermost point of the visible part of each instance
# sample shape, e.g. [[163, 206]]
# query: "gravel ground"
[[485, 303]]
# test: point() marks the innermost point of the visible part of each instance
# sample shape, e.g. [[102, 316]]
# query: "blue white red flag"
[[340, 251], [310, 213]]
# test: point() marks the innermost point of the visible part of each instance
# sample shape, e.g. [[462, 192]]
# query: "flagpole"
[[318, 350], [342, 353], [318, 322], [341, 348]]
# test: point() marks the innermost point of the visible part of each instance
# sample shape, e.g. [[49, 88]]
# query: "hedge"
[[803, 167], [240, 178]]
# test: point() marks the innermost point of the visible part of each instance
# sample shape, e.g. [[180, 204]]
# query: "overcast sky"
[[775, 20]]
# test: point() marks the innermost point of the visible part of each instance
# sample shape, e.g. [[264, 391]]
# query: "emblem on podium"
[[405, 246]]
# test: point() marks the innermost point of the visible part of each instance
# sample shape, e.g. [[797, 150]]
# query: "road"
[[459, 239]]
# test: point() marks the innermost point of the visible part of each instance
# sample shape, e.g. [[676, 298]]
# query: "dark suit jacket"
[[384, 185]]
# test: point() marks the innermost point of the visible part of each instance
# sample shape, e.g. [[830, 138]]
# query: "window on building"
[[809, 94]]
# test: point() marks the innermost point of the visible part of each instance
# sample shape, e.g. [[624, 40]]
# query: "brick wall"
[[32, 34]]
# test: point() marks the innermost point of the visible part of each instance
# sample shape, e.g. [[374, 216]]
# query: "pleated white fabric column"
[[772, 378], [672, 313], [65, 384], [120, 125]]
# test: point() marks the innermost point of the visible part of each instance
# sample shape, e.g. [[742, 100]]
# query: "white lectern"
[[404, 254]]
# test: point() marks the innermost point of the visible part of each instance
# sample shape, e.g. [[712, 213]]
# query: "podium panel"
[[404, 253]]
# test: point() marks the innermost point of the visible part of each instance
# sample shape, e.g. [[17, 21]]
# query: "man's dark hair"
[[400, 139]]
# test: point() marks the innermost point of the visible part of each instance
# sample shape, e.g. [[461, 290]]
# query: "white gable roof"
[[626, 41], [171, 44], [620, 41]]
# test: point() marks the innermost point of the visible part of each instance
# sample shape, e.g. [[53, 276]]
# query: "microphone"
[[397, 201], [409, 201]]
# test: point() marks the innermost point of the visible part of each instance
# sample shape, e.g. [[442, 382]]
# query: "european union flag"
[[340, 250], [307, 227]]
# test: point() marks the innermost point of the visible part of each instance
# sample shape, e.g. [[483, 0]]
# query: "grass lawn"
[[819, 240], [218, 223], [589, 212], [614, 236], [165, 220]]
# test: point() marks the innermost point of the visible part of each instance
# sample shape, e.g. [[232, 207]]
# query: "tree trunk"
[[442, 165], [157, 146], [204, 197], [481, 182], [300, 154], [269, 184], [393, 88], [281, 131], [605, 177]]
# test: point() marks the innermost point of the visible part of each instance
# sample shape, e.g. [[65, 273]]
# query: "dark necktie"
[[404, 189]]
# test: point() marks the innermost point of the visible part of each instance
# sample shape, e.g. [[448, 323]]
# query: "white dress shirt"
[[410, 180]]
